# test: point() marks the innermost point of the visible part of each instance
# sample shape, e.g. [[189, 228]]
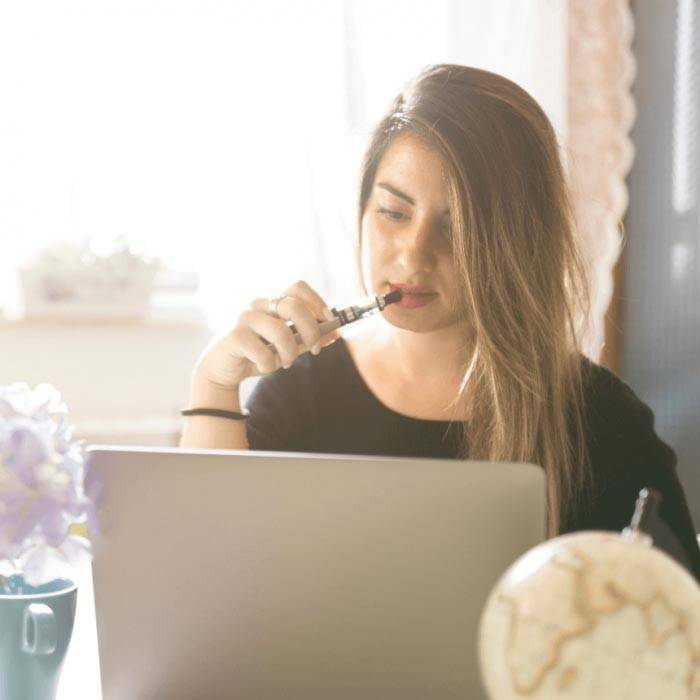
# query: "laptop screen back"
[[265, 576]]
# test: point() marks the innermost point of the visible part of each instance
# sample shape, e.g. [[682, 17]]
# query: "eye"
[[391, 214]]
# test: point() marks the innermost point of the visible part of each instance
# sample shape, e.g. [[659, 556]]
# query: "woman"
[[463, 205]]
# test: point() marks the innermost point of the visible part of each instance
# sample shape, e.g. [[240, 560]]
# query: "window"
[[225, 136]]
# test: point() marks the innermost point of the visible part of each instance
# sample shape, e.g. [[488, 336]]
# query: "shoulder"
[[613, 409], [623, 447], [626, 455]]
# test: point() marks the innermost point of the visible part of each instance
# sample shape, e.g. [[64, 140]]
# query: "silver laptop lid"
[[266, 576]]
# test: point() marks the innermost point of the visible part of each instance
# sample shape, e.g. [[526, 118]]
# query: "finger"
[[304, 291], [321, 309], [305, 319], [330, 338], [275, 331], [248, 343], [297, 311]]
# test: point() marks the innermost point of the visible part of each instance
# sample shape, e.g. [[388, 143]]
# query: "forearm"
[[212, 431]]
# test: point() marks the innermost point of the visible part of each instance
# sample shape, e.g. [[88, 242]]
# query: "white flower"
[[42, 474], [43, 563]]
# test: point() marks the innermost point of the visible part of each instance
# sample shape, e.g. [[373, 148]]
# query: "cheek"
[[373, 245], [376, 252]]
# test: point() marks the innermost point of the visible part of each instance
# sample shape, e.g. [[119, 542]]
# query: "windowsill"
[[168, 305], [147, 431], [123, 380], [160, 316]]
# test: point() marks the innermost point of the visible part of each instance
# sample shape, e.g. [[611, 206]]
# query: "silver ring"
[[273, 304]]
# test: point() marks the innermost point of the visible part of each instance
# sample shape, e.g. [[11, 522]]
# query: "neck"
[[436, 357], [416, 373]]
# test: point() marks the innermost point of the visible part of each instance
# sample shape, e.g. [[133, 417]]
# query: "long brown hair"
[[523, 283]]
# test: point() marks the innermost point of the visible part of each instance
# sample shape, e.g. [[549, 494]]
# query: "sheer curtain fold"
[[601, 114]]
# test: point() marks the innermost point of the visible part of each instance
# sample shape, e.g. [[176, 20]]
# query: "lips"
[[412, 290], [414, 296]]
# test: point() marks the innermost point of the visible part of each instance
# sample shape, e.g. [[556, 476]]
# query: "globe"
[[592, 615]]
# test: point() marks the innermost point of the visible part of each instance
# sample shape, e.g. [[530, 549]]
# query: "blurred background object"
[[70, 280]]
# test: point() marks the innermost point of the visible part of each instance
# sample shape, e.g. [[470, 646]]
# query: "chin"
[[417, 320]]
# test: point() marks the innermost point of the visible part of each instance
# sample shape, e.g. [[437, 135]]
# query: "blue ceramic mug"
[[36, 623]]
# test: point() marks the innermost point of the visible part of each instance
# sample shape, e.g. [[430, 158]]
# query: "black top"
[[322, 404]]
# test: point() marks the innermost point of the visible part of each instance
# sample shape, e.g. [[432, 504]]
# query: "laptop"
[[274, 575]]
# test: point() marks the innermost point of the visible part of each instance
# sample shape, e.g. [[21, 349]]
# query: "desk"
[[80, 677]]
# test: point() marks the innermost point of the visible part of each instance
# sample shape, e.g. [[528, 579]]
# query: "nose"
[[417, 247]]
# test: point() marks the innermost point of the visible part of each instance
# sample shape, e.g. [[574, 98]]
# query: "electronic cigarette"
[[350, 314]]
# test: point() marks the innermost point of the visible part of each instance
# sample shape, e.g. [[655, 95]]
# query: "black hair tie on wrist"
[[218, 412]]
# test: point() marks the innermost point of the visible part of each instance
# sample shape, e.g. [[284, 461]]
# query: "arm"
[[259, 344], [211, 431], [673, 531], [626, 456]]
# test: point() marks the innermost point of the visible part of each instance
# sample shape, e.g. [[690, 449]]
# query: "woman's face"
[[406, 236]]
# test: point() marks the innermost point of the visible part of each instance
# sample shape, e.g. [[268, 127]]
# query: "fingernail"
[[327, 314], [316, 349]]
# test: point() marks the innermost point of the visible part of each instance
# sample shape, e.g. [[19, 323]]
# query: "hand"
[[239, 352]]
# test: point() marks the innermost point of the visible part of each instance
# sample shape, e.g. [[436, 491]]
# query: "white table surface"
[[80, 677]]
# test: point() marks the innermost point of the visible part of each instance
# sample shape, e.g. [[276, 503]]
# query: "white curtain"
[[225, 136]]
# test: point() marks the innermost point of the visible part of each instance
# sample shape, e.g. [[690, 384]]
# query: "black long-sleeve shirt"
[[322, 404]]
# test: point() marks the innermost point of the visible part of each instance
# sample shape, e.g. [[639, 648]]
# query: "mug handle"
[[38, 629]]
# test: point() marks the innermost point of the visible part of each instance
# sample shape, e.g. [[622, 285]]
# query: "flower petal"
[[25, 449], [43, 564]]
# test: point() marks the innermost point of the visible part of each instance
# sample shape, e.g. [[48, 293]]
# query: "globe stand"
[[646, 508]]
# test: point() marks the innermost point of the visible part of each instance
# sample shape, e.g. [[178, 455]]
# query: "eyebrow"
[[401, 195], [396, 192]]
